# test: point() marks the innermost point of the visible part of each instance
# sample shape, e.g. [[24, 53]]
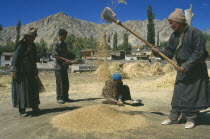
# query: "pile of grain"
[[168, 68], [156, 69], [117, 67], [136, 70], [131, 70], [5, 86], [97, 118], [6, 80], [167, 81], [103, 72]]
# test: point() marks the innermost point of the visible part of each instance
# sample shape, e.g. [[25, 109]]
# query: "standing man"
[[191, 94], [25, 92], [60, 53]]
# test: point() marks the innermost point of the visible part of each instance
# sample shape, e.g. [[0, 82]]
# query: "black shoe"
[[24, 114], [60, 101], [35, 111], [68, 100]]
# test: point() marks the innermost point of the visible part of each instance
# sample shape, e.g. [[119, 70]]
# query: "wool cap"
[[177, 16]]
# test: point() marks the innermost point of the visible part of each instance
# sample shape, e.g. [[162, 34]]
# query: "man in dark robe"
[[25, 92], [61, 54], [191, 93], [115, 92]]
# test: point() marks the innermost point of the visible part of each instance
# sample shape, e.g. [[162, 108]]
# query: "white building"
[[131, 58], [6, 59]]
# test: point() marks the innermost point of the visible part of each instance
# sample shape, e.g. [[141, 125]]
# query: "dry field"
[[86, 117]]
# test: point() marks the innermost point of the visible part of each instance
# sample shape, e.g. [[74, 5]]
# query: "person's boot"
[[68, 100], [35, 111], [60, 101], [189, 125], [168, 122], [23, 112]]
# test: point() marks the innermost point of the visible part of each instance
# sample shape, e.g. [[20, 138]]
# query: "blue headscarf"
[[116, 76]]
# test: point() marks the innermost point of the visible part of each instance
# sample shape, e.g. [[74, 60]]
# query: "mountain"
[[49, 26], [207, 31]]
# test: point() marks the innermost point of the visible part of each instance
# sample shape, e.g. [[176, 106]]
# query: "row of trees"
[[125, 46]]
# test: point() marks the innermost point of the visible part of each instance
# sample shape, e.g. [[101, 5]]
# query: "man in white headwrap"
[[191, 92]]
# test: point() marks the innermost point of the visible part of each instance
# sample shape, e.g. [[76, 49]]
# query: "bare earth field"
[[86, 91]]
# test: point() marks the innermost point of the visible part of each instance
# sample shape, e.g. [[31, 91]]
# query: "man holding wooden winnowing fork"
[[191, 93]]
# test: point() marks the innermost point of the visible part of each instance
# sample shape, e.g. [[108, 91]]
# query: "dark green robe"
[[191, 91], [25, 93]]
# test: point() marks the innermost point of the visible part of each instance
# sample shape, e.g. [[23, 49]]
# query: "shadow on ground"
[[87, 99], [54, 110]]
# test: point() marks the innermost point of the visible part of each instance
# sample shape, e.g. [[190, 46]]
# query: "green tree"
[[41, 49], [78, 46], [125, 41], [207, 42], [92, 42], [8, 47], [150, 26], [115, 41], [109, 42], [70, 40], [1, 28], [158, 39], [18, 26]]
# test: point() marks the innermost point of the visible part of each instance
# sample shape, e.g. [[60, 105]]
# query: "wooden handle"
[[150, 45]]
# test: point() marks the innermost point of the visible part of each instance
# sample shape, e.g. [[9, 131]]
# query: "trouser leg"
[[59, 87], [22, 110], [192, 116], [65, 84], [174, 115]]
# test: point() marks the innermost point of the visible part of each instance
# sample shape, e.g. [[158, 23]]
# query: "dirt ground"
[[86, 90]]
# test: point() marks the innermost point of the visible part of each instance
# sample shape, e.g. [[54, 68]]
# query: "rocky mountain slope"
[[49, 26]]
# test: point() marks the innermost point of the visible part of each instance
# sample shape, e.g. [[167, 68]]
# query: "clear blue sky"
[[32, 10]]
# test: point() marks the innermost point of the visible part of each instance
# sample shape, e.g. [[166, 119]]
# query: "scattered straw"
[[136, 70], [168, 68], [97, 118], [131, 70], [5, 86], [167, 81]]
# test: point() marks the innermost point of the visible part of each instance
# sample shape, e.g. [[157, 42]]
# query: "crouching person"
[[115, 92]]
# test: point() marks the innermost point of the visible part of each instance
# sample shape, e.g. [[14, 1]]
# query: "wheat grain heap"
[[97, 118]]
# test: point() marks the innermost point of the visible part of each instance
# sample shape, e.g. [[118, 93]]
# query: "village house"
[[88, 53], [6, 59]]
